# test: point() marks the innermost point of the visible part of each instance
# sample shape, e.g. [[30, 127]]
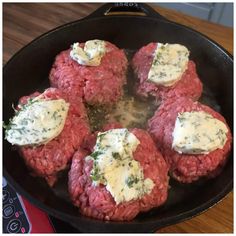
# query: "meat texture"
[[47, 160], [97, 85], [186, 168], [97, 202], [188, 86]]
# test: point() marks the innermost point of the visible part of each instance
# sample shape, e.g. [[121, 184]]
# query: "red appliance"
[[20, 216]]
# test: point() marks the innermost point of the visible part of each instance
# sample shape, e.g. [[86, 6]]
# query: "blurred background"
[[220, 13]]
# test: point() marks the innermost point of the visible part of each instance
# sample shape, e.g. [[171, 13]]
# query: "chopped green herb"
[[195, 138], [95, 175], [131, 180], [130, 164], [101, 135], [54, 115], [116, 155], [181, 119], [220, 132], [94, 155]]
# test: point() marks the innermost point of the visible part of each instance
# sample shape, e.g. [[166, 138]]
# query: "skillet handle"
[[140, 9]]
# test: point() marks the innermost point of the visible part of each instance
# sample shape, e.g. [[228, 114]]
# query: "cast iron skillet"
[[28, 71]]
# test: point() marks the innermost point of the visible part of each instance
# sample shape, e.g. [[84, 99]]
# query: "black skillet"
[[28, 71]]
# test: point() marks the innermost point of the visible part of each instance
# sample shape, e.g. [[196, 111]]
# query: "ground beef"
[[186, 167], [47, 160], [97, 85], [97, 202], [189, 85]]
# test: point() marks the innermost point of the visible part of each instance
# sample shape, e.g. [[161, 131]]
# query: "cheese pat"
[[95, 48], [198, 132], [91, 54], [37, 122], [169, 63], [126, 181], [115, 167]]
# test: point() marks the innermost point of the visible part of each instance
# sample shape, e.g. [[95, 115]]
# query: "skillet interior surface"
[[28, 71]]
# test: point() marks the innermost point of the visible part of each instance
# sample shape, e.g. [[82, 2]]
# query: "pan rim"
[[161, 222]]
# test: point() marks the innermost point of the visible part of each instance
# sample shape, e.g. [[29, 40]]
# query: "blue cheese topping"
[[115, 167], [198, 132], [169, 63], [91, 54], [37, 122]]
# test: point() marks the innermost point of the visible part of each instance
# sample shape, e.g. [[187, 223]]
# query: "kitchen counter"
[[24, 22]]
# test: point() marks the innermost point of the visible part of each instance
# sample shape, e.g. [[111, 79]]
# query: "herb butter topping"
[[37, 122], [91, 54], [115, 167], [169, 63], [198, 132]]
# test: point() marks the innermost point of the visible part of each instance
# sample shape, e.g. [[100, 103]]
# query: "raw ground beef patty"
[[189, 85], [97, 202], [47, 160], [97, 85], [186, 167]]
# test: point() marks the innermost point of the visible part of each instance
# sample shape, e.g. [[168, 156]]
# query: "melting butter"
[[169, 63], [91, 54], [37, 122], [198, 132], [115, 167]]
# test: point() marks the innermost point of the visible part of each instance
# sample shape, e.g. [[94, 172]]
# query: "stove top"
[[20, 216]]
